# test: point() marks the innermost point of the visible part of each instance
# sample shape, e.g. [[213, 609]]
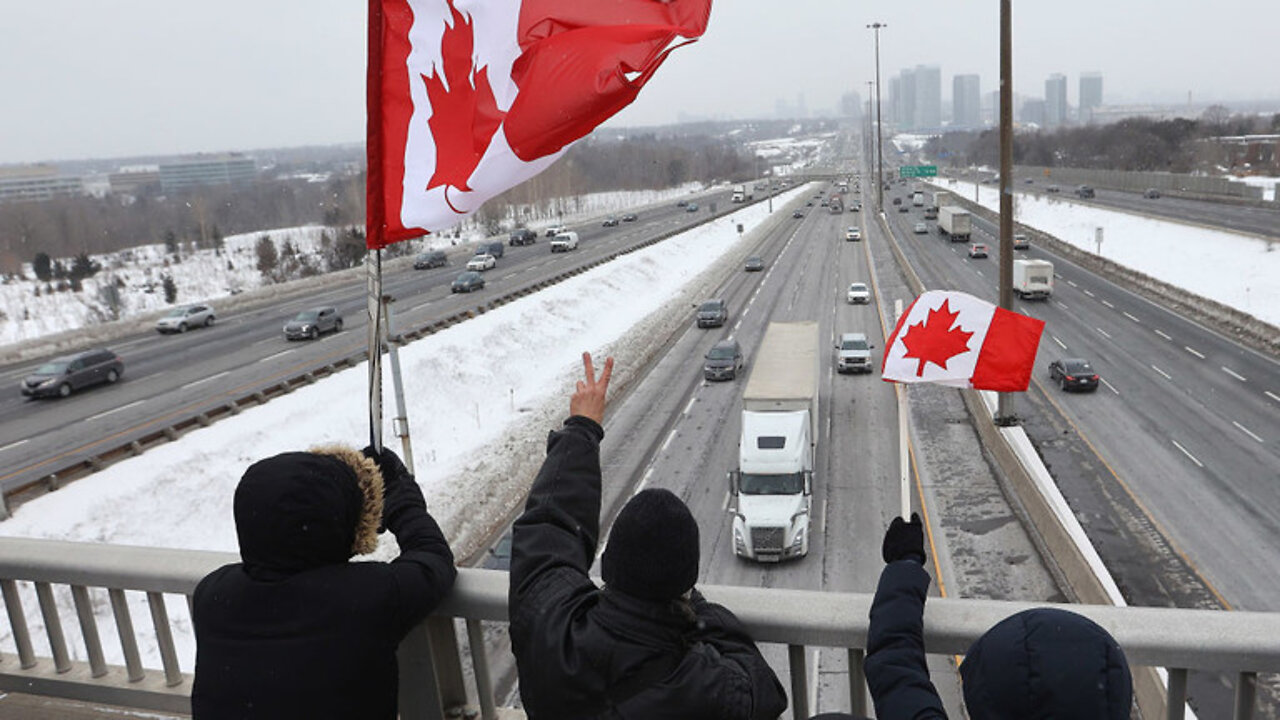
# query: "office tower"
[[928, 105], [1090, 94], [1055, 100], [966, 98]]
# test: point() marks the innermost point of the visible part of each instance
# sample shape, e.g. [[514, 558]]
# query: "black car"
[[682, 203], [1084, 191], [897, 201], [62, 376], [495, 249], [629, 217], [523, 236], [797, 214], [723, 361], [430, 259], [308, 324], [609, 222], [712, 313], [1073, 374], [467, 282], [754, 264], [903, 208]]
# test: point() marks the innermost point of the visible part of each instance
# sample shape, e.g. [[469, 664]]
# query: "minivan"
[[522, 236], [494, 249], [712, 313], [61, 376], [430, 259], [723, 361]]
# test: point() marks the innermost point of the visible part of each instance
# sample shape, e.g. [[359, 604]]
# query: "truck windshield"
[[785, 484]]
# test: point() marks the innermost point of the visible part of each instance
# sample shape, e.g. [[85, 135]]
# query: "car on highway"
[[1084, 191], [723, 361], [496, 249], [797, 214], [858, 294], [522, 236], [903, 208], [182, 319], [809, 204], [853, 354], [62, 376], [691, 207], [1151, 194], [852, 234], [978, 250], [682, 203], [430, 259], [609, 222], [1020, 241], [825, 203], [921, 228], [630, 217], [755, 263], [712, 313], [564, 242], [482, 262], [467, 282], [897, 201], [308, 324], [854, 207], [1073, 374], [555, 230]]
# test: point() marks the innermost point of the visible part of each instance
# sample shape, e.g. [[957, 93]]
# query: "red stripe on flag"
[[1008, 354], [389, 109]]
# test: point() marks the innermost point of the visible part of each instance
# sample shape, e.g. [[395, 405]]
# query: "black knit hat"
[[653, 548]]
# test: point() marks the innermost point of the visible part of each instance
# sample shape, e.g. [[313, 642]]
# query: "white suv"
[[858, 294], [853, 354], [565, 241], [852, 234]]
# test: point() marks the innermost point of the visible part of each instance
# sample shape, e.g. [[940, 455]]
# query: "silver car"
[[308, 324], [182, 319]]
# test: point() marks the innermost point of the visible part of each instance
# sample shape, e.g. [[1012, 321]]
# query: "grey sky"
[[82, 78]]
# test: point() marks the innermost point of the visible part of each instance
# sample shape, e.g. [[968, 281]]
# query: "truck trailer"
[[955, 223], [772, 488]]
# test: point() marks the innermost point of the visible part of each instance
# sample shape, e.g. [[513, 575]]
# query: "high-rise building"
[[1090, 95], [928, 105], [851, 104], [1055, 100], [1032, 112], [966, 99], [892, 100], [907, 100]]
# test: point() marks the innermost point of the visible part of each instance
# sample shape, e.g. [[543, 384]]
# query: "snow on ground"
[[479, 412], [1240, 271], [28, 309], [1268, 184]]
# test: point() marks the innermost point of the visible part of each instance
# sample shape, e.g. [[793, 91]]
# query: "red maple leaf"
[[464, 113], [934, 340]]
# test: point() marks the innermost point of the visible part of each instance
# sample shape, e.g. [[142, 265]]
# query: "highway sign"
[[907, 171]]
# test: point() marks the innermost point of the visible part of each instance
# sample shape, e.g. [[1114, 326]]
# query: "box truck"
[[772, 487], [1032, 279], [954, 223]]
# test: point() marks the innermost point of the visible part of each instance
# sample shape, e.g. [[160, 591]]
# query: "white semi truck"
[[1032, 279], [773, 486], [742, 193], [955, 223], [941, 198]]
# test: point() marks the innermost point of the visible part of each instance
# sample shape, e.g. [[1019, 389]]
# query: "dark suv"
[[723, 361], [495, 249], [712, 313], [64, 375], [1084, 191], [430, 259], [523, 236]]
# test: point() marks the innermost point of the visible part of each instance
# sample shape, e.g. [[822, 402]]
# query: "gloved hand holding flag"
[[951, 338]]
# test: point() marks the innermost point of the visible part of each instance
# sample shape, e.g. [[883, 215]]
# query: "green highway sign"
[[907, 171]]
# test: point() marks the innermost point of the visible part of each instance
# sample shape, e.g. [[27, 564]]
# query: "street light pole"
[[1004, 400], [879, 127]]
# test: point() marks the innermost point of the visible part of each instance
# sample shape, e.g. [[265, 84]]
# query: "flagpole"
[[1004, 401], [373, 267], [904, 464]]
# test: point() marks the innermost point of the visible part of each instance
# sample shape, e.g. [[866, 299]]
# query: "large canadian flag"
[[467, 98], [951, 338]]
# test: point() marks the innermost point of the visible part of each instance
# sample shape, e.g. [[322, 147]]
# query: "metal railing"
[[67, 582]]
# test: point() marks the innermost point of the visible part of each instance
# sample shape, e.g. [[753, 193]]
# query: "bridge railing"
[[64, 599]]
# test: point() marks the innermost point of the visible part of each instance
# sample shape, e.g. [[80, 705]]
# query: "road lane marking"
[[273, 357], [12, 445], [1233, 374], [1163, 335], [1072, 283], [1060, 343], [135, 403], [689, 407], [1132, 317], [1104, 302], [667, 443], [1165, 374], [1109, 385], [1271, 395], [1193, 351], [1188, 454], [1103, 333], [192, 384], [1243, 429], [270, 339], [1086, 292], [1062, 305]]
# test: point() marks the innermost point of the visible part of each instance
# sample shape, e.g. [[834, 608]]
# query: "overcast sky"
[[84, 78]]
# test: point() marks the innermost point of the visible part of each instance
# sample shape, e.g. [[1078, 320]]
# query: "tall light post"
[[879, 128], [1004, 400], [871, 130]]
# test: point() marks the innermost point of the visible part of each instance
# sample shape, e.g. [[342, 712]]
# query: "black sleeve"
[[424, 571], [751, 690], [561, 521], [896, 670]]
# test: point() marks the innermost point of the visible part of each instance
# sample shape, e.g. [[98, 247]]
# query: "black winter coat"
[[295, 631], [896, 669], [583, 652]]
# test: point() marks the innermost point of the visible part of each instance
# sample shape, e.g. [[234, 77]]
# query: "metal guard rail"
[[1244, 643]]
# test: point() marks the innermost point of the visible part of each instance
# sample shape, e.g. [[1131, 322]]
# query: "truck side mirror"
[[732, 477]]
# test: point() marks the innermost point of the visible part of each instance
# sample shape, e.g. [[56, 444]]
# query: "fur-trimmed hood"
[[300, 510]]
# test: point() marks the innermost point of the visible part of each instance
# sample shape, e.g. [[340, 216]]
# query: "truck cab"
[[772, 487]]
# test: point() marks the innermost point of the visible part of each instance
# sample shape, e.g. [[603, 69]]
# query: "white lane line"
[[1165, 374], [1103, 333], [1193, 351], [194, 383], [1188, 454], [1109, 385], [1104, 302], [15, 444], [980, 272], [645, 479], [1234, 374], [1062, 305], [1132, 317], [1246, 431], [1086, 292], [667, 443], [689, 407], [1072, 283], [270, 339], [135, 403], [273, 357], [1060, 343], [724, 504], [1271, 395], [1164, 335], [420, 305]]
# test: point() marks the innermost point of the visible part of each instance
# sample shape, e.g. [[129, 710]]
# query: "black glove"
[[399, 490], [904, 540]]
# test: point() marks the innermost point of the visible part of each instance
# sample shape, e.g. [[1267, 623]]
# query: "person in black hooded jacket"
[[1039, 664], [297, 631], [648, 646]]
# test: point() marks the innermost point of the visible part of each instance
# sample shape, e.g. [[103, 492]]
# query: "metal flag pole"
[[904, 438], [401, 421], [373, 267]]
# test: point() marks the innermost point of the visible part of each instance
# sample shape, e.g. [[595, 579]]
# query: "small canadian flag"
[[951, 338]]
